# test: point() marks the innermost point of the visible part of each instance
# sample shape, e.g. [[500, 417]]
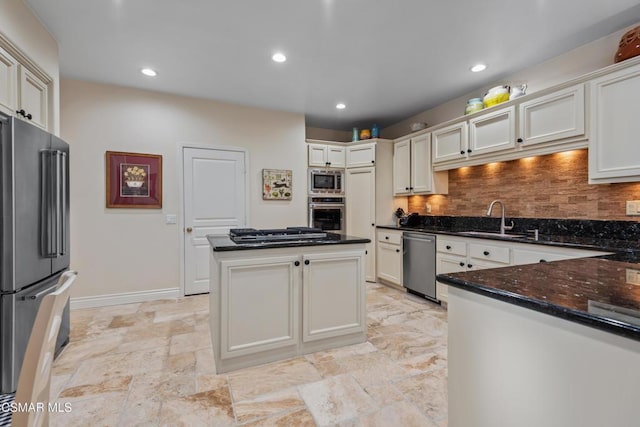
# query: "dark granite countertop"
[[592, 291], [221, 243]]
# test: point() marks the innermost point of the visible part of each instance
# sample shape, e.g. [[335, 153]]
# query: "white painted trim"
[[181, 225], [124, 298]]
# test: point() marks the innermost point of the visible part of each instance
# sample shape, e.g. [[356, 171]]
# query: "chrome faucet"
[[502, 226]]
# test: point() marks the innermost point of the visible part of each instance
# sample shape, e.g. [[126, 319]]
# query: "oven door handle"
[[326, 205]]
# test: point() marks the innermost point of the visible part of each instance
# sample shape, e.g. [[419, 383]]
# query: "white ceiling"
[[385, 59]]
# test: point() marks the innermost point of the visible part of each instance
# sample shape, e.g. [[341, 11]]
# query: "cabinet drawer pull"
[[448, 247], [306, 262], [297, 263], [486, 253]]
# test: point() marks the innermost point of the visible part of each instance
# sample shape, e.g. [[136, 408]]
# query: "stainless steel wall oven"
[[327, 213]]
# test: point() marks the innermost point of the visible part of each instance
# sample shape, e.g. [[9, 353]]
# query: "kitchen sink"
[[494, 234]]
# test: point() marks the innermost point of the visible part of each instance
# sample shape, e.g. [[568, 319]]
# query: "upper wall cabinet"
[[552, 117], [361, 155], [325, 155], [24, 93], [450, 143], [412, 168], [491, 132], [8, 82], [614, 151]]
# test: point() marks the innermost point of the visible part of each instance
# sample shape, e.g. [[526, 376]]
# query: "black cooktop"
[[289, 233]]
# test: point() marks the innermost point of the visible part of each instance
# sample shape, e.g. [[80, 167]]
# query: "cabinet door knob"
[[29, 116], [448, 247], [406, 188], [189, 229], [461, 152], [297, 263], [306, 262], [410, 188], [373, 225], [386, 237], [469, 150], [543, 260], [366, 252], [373, 161], [469, 265], [397, 250], [486, 253], [519, 140], [461, 264], [21, 112]]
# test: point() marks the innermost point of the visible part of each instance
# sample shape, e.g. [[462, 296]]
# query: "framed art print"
[[134, 180], [276, 184]]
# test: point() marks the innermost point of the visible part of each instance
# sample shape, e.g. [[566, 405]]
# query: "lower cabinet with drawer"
[[389, 256], [457, 254]]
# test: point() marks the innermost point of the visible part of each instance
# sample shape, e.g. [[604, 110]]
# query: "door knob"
[[189, 229]]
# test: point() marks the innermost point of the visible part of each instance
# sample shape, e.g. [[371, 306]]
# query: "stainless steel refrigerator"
[[34, 234]]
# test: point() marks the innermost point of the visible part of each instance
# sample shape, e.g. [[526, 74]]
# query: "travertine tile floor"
[[152, 364]]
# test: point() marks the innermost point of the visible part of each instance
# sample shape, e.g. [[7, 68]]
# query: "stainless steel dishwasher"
[[419, 264]]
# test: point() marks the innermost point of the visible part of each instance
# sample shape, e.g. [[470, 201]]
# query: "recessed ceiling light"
[[340, 106], [148, 72], [279, 57], [478, 67]]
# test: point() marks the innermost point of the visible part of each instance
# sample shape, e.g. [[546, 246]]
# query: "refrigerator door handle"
[[40, 294], [62, 206], [46, 242]]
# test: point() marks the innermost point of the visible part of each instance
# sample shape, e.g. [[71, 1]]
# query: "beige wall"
[[580, 61], [24, 30], [328, 134], [127, 250]]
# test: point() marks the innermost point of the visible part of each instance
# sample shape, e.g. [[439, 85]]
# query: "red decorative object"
[[629, 45], [134, 180]]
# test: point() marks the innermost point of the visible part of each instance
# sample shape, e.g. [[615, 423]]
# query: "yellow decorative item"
[[496, 95], [365, 134]]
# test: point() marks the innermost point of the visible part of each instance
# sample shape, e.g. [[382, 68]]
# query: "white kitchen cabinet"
[[614, 152], [8, 82], [260, 306], [553, 118], [494, 131], [23, 92], [361, 212], [273, 304], [325, 155], [412, 168], [450, 142], [361, 155], [33, 98], [456, 254], [389, 256], [333, 295]]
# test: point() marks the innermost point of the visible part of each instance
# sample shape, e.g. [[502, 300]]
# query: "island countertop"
[[596, 291], [220, 243]]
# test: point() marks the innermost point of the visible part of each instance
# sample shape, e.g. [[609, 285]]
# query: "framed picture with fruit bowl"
[[134, 180], [276, 184]]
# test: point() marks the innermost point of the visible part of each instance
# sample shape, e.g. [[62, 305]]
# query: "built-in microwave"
[[326, 181]]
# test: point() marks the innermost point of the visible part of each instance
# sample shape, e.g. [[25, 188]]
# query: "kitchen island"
[[553, 344], [279, 294]]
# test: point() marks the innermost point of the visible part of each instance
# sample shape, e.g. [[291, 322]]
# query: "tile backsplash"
[[551, 186]]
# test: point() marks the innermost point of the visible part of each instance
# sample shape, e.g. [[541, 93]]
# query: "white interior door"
[[214, 201]]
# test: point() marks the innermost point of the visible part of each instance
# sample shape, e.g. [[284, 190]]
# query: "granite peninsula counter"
[[276, 300]]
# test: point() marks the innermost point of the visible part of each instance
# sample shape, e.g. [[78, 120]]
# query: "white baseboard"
[[125, 298]]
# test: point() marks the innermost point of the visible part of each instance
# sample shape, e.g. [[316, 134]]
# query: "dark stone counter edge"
[[597, 245], [594, 321], [253, 246]]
